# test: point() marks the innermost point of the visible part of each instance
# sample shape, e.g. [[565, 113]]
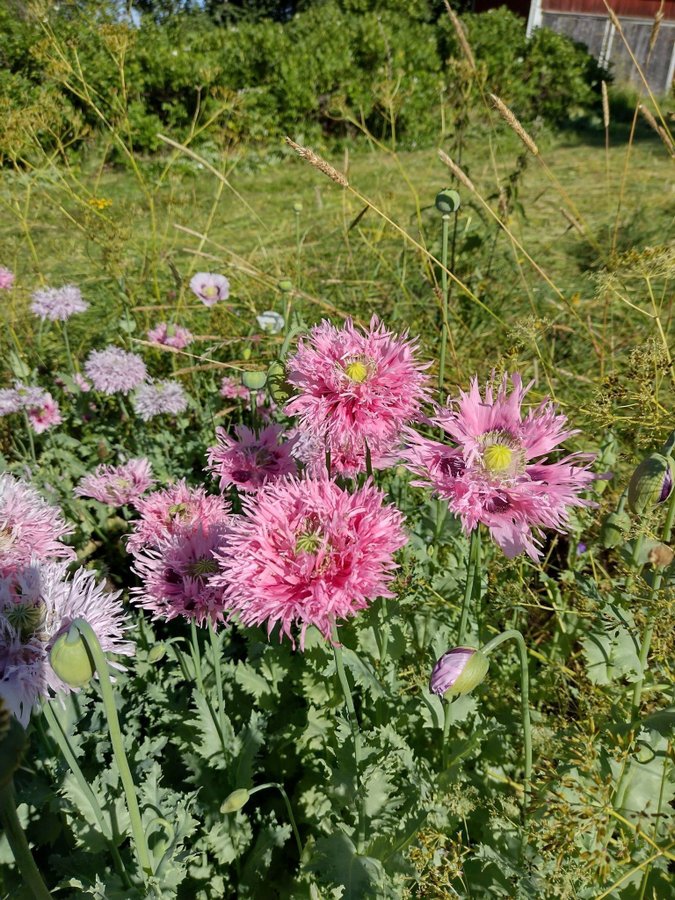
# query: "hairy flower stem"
[[513, 634], [289, 808], [356, 736], [67, 346], [101, 665], [472, 583], [61, 739], [18, 843], [31, 442], [444, 307], [645, 645], [215, 647]]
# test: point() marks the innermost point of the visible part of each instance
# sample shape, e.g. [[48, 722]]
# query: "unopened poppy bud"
[[447, 201], [157, 652], [297, 207], [285, 285], [70, 658], [458, 671], [614, 529], [235, 801], [254, 381], [651, 484]]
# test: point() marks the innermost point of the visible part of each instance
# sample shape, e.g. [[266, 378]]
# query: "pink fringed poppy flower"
[[233, 389], [45, 415], [308, 552], [177, 574], [163, 513], [6, 278], [250, 460], [356, 388], [117, 485], [29, 527], [496, 471], [210, 288], [170, 336]]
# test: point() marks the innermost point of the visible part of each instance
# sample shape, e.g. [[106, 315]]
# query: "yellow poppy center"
[[498, 459], [357, 371]]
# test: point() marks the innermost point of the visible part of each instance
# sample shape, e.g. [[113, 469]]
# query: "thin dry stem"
[[605, 104], [315, 160], [514, 124], [461, 36], [573, 222]]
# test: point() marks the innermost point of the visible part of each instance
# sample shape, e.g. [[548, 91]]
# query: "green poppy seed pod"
[[297, 207], [254, 381], [614, 529], [458, 671], [447, 201], [235, 801], [70, 658], [285, 285], [651, 484]]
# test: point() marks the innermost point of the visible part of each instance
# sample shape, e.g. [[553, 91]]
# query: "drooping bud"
[[661, 556], [614, 529], [651, 484], [70, 658], [458, 671], [447, 201], [235, 801], [254, 381]]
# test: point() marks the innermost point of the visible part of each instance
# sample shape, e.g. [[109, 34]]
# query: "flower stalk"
[[473, 586], [101, 665], [356, 736], [18, 843], [513, 634]]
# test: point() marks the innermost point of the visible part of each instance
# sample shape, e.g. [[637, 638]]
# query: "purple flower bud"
[[458, 671]]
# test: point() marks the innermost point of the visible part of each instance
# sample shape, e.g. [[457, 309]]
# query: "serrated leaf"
[[335, 861]]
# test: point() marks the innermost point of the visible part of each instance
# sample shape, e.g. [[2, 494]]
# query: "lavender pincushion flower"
[[38, 603], [58, 304], [160, 398], [29, 526], [497, 470], [117, 485], [114, 370], [210, 288]]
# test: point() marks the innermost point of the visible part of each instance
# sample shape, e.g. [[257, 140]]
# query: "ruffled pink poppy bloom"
[[163, 513], [497, 470], [210, 288], [177, 574], [6, 278], [306, 552], [38, 603], [233, 389], [356, 389], [29, 527], [44, 416], [250, 460], [170, 336], [117, 485]]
